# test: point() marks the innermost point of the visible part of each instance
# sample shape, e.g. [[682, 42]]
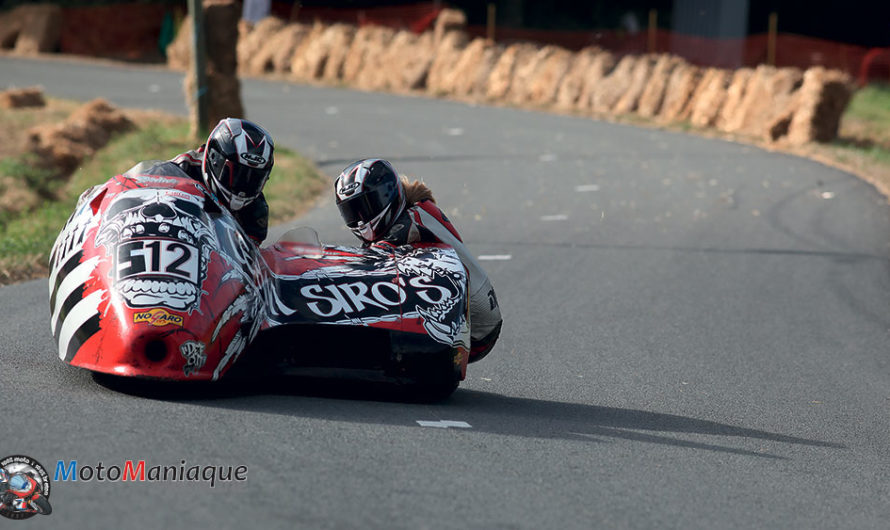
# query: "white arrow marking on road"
[[558, 217], [444, 424], [495, 257]]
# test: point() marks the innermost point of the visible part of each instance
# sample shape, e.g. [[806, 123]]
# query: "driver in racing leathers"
[[234, 164], [386, 211]]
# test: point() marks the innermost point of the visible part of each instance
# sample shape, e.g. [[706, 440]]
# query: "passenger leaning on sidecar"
[[234, 164], [386, 211]]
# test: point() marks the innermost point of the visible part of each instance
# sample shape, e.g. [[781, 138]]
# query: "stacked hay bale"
[[278, 52], [500, 80], [364, 60], [251, 41], [474, 67], [814, 112], [735, 92], [63, 146], [18, 98], [407, 61], [549, 76], [600, 68], [445, 61], [604, 95], [306, 54], [450, 41], [31, 29], [709, 97], [639, 76], [682, 83], [324, 47], [653, 95], [572, 84], [767, 93]]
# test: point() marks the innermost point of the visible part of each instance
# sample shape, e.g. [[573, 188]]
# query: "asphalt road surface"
[[695, 336]]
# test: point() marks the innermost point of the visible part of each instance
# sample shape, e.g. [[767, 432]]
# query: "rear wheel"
[[432, 392], [430, 376]]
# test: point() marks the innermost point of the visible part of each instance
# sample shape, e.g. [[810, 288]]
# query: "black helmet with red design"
[[370, 196], [237, 161]]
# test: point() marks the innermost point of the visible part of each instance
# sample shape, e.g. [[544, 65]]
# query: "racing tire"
[[432, 392], [41, 505], [432, 377]]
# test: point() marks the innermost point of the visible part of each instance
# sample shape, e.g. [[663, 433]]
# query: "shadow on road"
[[362, 402]]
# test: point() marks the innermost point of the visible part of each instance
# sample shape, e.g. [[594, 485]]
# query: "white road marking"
[[587, 187], [547, 158], [454, 131], [495, 257], [558, 217], [444, 424], [154, 89], [331, 110], [827, 194]]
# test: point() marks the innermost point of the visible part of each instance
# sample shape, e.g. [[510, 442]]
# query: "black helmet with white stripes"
[[370, 196], [237, 161]]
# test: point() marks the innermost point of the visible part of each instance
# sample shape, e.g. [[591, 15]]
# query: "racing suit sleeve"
[[254, 219], [404, 231], [190, 162]]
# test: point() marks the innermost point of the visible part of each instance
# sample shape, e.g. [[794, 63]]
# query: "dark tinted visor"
[[240, 179], [363, 207]]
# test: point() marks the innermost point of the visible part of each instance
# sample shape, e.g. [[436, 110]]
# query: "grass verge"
[[26, 237]]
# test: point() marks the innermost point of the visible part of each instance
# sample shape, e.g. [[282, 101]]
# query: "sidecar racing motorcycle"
[[152, 278]]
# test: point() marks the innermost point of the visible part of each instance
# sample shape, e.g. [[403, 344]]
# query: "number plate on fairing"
[[157, 257], [153, 272]]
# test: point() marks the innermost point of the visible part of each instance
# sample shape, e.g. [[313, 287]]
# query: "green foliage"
[[27, 170], [872, 103]]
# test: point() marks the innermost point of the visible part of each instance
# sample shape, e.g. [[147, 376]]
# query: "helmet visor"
[[243, 181], [363, 208]]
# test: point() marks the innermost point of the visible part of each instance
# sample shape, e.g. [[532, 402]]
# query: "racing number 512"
[[158, 256]]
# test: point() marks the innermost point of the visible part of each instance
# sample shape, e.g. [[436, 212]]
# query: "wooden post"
[[771, 39], [199, 69], [653, 30], [490, 23]]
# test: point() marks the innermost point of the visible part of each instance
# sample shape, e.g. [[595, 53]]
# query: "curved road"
[[695, 337]]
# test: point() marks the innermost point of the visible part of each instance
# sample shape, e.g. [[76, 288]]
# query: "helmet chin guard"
[[370, 231]]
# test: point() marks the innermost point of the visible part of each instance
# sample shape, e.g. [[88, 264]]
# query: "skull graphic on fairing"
[[160, 241], [444, 318]]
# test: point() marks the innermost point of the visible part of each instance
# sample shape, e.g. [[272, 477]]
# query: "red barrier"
[[120, 31], [875, 66], [131, 31], [416, 17]]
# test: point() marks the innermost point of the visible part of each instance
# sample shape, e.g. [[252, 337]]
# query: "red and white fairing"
[[151, 277]]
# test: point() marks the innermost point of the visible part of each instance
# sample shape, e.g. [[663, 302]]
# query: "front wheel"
[[41, 505]]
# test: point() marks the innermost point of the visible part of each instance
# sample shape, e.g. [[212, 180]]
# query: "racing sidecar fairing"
[[152, 278]]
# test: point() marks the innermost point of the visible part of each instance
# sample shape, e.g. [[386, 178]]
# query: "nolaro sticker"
[[24, 488]]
